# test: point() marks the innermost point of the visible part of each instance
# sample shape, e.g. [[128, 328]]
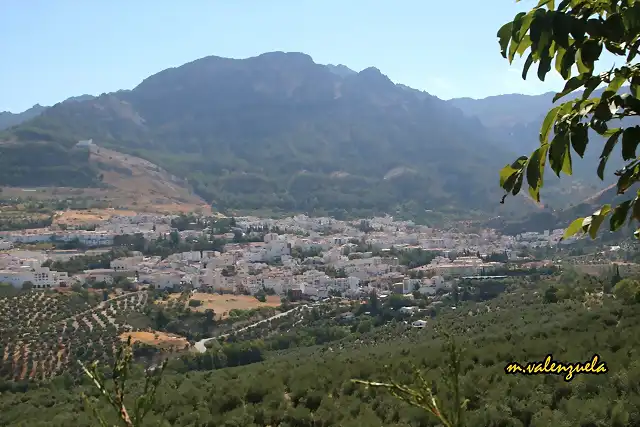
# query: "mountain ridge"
[[241, 130]]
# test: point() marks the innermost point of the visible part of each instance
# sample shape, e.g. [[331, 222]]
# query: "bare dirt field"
[[138, 199], [156, 338], [223, 304], [88, 216]]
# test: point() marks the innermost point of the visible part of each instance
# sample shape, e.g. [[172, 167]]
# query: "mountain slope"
[[106, 177], [134, 182], [514, 122], [549, 219], [281, 132], [8, 119]]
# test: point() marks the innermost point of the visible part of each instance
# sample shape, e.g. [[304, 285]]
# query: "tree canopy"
[[570, 39]]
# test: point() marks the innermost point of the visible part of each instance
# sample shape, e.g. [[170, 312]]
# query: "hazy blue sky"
[[54, 49]]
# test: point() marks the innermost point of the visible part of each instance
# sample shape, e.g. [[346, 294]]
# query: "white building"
[[40, 277], [126, 263]]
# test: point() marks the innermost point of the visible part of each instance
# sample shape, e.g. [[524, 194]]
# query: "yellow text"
[[549, 366]]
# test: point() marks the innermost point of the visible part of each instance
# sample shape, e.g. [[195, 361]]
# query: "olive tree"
[[570, 39]]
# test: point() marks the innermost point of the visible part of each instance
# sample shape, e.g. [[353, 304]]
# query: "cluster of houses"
[[342, 257]]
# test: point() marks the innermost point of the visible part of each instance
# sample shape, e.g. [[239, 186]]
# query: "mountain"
[[514, 122], [341, 70], [549, 219], [281, 133], [8, 119], [278, 132]]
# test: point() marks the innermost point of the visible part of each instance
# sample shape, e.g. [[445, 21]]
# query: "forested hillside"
[[311, 386]]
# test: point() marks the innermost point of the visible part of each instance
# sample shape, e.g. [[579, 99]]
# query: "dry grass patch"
[[89, 216], [223, 304], [156, 338]]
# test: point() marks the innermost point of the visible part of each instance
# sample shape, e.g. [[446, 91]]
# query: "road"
[[201, 347]]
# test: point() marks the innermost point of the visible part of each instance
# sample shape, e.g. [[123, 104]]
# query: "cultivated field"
[[223, 304], [156, 338], [44, 333]]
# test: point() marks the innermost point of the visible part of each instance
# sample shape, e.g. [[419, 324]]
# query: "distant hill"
[[8, 119], [279, 132], [514, 122], [549, 219]]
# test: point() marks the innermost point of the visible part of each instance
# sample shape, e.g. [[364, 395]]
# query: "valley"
[[256, 310], [432, 236]]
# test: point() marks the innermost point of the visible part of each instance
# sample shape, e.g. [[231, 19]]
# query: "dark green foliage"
[[297, 385], [47, 164]]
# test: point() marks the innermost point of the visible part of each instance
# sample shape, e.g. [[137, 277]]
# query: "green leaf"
[[597, 218], [602, 113], [568, 59], [561, 26], [597, 123], [521, 41], [628, 177], [582, 67], [594, 28], [630, 140], [633, 51], [574, 228], [547, 123], [527, 65], [590, 53], [579, 138], [572, 84], [518, 183], [560, 51], [614, 28], [614, 86], [536, 29], [566, 161], [504, 36], [557, 152], [619, 215], [606, 151], [535, 170], [630, 102], [635, 87], [591, 84], [577, 29], [507, 172], [524, 44], [522, 27], [545, 64], [635, 213]]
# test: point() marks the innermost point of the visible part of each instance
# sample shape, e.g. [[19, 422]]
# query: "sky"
[[54, 49]]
